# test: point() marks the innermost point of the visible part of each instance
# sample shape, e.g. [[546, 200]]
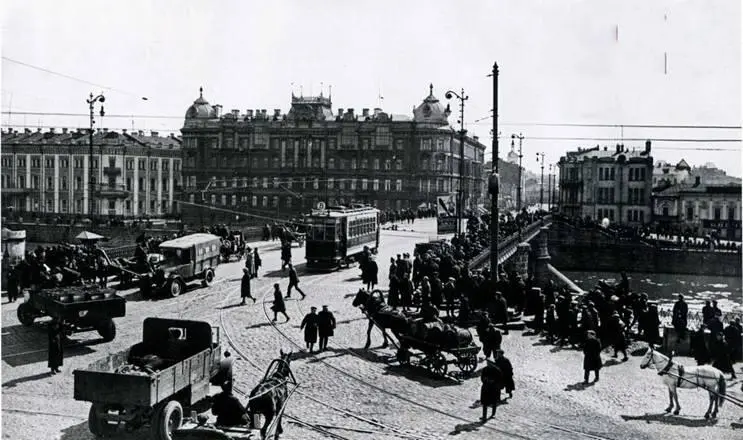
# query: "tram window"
[[318, 232], [330, 233]]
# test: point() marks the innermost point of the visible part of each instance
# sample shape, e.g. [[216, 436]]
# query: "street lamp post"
[[462, 133], [549, 188], [520, 137], [100, 98], [541, 182], [493, 187]]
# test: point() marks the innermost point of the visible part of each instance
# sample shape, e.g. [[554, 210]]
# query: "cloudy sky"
[[561, 62]]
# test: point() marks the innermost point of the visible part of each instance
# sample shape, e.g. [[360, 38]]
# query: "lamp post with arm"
[[520, 137], [549, 188], [91, 102], [462, 133]]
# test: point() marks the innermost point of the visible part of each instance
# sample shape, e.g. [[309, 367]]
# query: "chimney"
[[235, 112], [476, 138], [27, 130], [123, 130], [377, 111], [340, 112], [606, 148], [154, 134], [38, 130], [365, 112], [99, 130], [141, 133], [51, 130], [218, 110], [697, 179], [647, 146], [264, 113], [64, 130], [350, 112], [619, 148], [249, 114], [105, 130], [257, 114], [277, 112]]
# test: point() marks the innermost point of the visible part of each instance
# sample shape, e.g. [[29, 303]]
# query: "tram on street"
[[337, 235]]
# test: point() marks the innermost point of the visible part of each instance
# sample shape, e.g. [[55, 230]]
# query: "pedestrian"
[[393, 298], [228, 409], [490, 337], [245, 286], [615, 331], [278, 303], [680, 316], [224, 376], [326, 326], [257, 262], [538, 309], [733, 336], [371, 273], [12, 285], [310, 325], [56, 351], [699, 346], [492, 382], [506, 369], [286, 254], [551, 323], [293, 282], [721, 355], [249, 261], [591, 356]]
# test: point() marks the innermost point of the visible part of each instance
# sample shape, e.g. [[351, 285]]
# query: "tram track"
[[523, 420], [382, 428]]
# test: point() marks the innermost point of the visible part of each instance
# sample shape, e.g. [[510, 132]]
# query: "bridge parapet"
[[509, 245]]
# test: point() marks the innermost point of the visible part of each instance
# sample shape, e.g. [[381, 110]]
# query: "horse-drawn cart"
[[433, 357], [233, 246]]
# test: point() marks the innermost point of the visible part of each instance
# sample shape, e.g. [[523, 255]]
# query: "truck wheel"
[[169, 420], [175, 288], [97, 424], [26, 314], [208, 278], [107, 329]]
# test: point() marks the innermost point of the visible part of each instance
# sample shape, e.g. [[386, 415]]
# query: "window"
[[152, 206], [289, 202], [365, 144], [376, 184], [353, 163], [153, 164], [398, 185], [275, 201], [398, 164], [399, 144], [94, 163], [331, 163], [364, 184], [353, 184], [387, 185], [364, 164], [717, 213], [254, 201], [21, 162], [264, 183], [264, 201], [64, 163], [331, 183], [63, 183], [224, 199], [376, 164], [153, 185], [49, 183], [111, 204], [165, 184], [316, 183], [233, 199]]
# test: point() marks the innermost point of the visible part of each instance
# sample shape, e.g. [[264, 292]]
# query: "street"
[[349, 391]]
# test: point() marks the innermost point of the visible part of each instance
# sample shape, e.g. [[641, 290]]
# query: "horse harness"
[[667, 368]]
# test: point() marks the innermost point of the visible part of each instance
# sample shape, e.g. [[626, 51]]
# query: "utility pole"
[[541, 182], [549, 188], [493, 185], [520, 137], [100, 98], [462, 133]]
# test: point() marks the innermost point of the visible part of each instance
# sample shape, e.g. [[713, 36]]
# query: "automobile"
[[185, 259]]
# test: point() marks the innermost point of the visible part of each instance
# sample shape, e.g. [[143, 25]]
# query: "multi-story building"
[[277, 165], [666, 174], [133, 174], [700, 208], [614, 184]]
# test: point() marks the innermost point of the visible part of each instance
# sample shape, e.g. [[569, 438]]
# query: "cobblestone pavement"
[[356, 393]]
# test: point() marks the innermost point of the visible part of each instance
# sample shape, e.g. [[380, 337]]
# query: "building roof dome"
[[513, 156], [201, 108], [431, 110]]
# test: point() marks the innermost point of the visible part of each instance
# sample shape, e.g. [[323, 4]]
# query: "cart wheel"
[[169, 419], [403, 356], [438, 364], [175, 288], [26, 314], [107, 329], [467, 364], [208, 278]]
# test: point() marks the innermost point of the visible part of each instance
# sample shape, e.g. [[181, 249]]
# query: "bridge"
[[508, 246]]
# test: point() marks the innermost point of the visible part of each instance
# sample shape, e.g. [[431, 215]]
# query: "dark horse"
[[269, 397], [379, 313]]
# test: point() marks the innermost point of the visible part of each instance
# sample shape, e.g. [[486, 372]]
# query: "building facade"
[[666, 174], [600, 183], [133, 174], [279, 165], [700, 208]]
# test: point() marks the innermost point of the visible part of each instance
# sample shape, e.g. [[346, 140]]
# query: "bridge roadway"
[[354, 393]]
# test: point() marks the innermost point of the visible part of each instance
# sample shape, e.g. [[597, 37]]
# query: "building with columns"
[[601, 183], [701, 208], [276, 165], [134, 174]]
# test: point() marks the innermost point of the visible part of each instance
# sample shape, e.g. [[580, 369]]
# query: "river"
[[728, 291]]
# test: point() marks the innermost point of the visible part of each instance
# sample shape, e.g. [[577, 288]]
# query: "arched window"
[[264, 201]]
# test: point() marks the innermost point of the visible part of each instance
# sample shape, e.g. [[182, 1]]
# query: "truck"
[[79, 308], [185, 259], [152, 382]]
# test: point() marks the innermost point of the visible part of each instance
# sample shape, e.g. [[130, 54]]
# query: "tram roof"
[[342, 211]]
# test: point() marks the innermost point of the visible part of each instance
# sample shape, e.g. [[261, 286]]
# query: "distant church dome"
[[200, 109], [431, 110]]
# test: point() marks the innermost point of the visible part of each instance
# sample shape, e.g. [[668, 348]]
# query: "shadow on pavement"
[[41, 355], [611, 362], [466, 427], [14, 382], [668, 419], [81, 432], [579, 386], [421, 375], [259, 325]]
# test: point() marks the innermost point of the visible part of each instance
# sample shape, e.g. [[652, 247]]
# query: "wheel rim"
[[175, 288], [173, 422], [438, 364], [209, 276]]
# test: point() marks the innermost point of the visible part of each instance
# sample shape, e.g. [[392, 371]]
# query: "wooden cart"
[[432, 355], [79, 308], [125, 401]]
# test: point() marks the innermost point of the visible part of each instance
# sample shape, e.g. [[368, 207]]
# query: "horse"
[[677, 376], [270, 395], [379, 313]]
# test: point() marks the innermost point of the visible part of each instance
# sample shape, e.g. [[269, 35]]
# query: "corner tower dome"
[[200, 109], [431, 110]]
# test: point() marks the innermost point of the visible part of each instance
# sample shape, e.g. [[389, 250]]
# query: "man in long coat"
[[615, 331], [679, 319], [326, 325], [310, 325], [293, 282], [492, 382], [245, 286], [56, 351], [591, 356], [278, 303], [504, 365]]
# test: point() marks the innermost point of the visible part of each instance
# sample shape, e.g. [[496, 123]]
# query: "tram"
[[337, 236]]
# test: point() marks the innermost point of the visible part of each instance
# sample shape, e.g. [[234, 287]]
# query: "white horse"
[[677, 376]]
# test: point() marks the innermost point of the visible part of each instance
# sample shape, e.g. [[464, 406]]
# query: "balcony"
[[14, 189], [112, 171], [112, 191]]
